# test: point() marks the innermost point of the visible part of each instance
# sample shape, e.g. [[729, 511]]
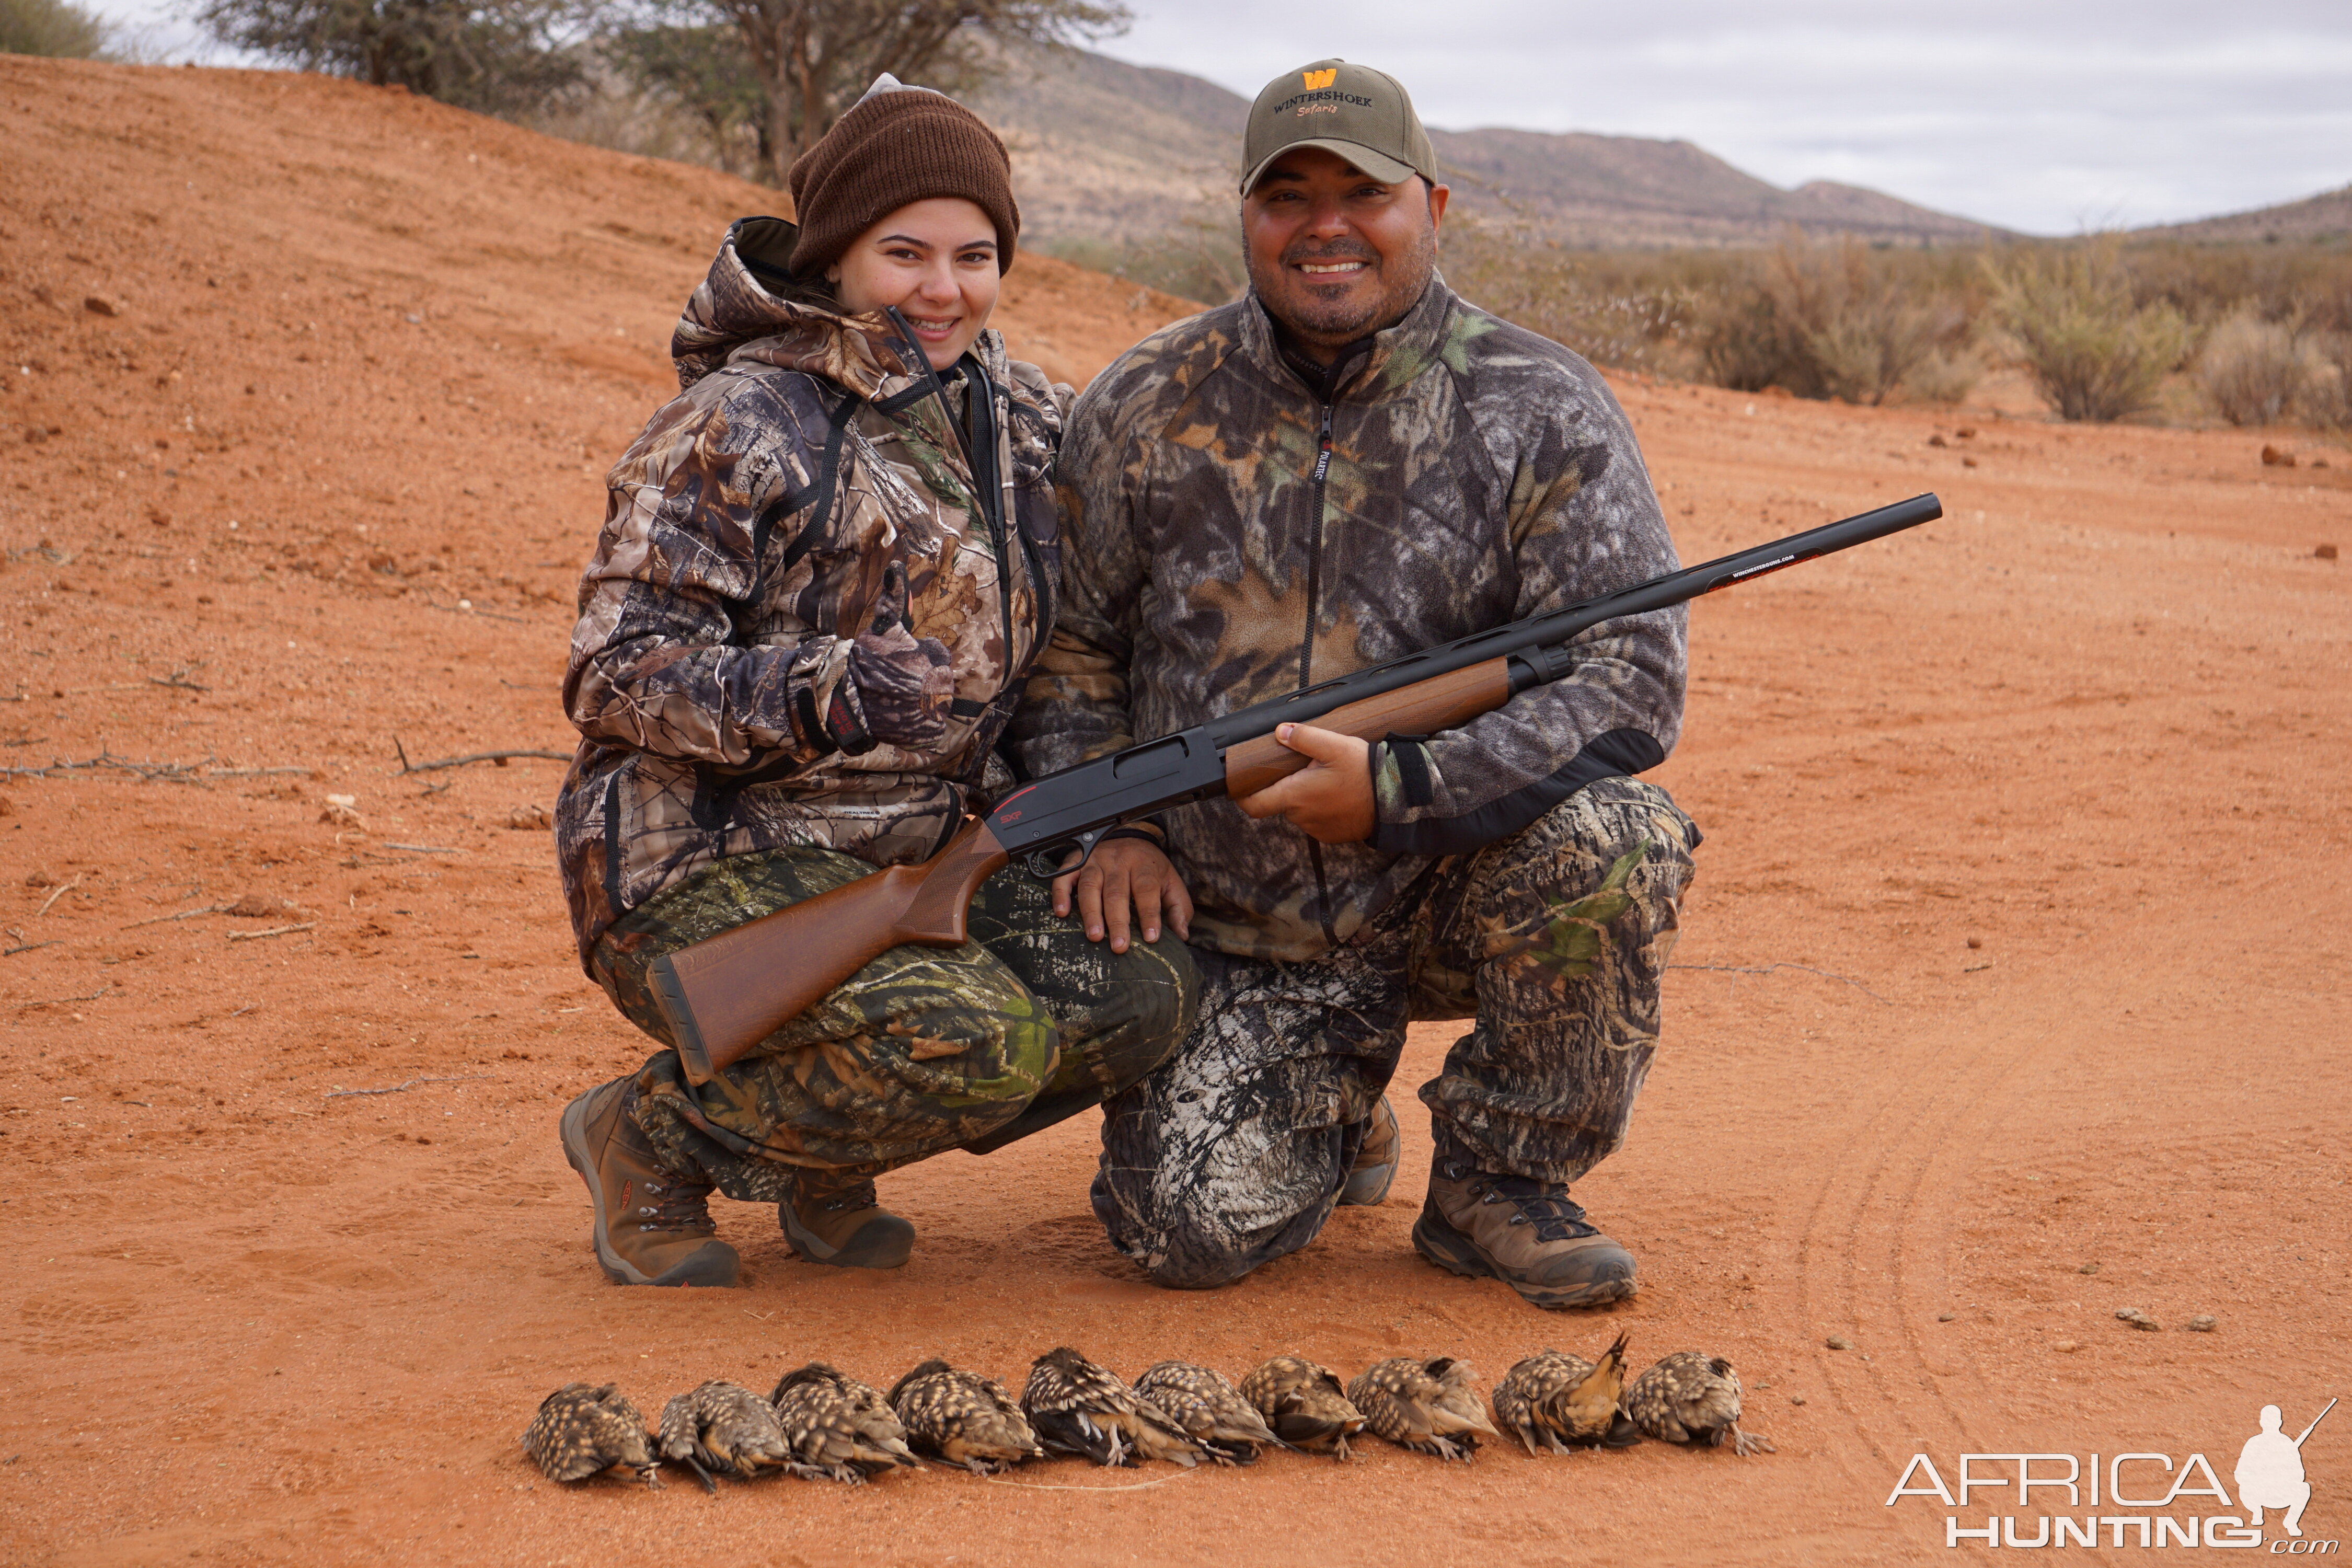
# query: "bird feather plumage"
[[1304, 1404], [1559, 1399], [582, 1431], [962, 1417], [723, 1428], [835, 1427], [1692, 1398], [1080, 1407], [1430, 1406], [1210, 1409]]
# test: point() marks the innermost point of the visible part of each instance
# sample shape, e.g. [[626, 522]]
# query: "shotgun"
[[725, 995]]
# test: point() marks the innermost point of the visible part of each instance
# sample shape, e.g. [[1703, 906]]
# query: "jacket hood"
[[744, 300]]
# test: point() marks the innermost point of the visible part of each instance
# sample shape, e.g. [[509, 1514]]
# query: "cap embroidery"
[[1317, 80]]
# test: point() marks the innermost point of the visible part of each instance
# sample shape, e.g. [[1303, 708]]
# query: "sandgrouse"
[[724, 1428], [581, 1432], [1559, 1399], [1080, 1409], [963, 1417], [837, 1429], [1305, 1404], [1208, 1407], [1692, 1398], [1430, 1406]]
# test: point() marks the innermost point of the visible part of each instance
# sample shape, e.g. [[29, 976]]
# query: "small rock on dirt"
[[1947, 1317], [36, 877], [2274, 458], [100, 305], [1796, 1399], [2088, 1269], [1839, 1342], [2137, 1319], [2324, 552], [529, 819], [2067, 1347], [2203, 1323]]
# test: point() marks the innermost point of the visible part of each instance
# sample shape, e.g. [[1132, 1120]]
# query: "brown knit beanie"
[[895, 146]]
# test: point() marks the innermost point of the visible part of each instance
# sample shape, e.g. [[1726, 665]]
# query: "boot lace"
[[675, 1207], [1542, 1204], [861, 1197]]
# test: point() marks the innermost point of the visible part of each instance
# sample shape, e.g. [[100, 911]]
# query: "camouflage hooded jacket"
[[801, 625], [1234, 531]]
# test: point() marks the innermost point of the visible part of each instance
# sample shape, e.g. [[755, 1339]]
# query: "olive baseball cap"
[[1354, 112]]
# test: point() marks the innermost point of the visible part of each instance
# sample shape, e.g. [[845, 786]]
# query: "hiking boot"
[[848, 1227], [650, 1228], [1523, 1232], [1376, 1162]]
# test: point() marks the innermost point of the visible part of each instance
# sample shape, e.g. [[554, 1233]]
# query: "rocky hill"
[[1107, 151], [2327, 216]]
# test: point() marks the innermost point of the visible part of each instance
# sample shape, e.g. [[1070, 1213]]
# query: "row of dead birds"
[[820, 1423]]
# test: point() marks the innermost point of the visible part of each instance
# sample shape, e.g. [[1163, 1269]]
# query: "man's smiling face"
[[1334, 254]]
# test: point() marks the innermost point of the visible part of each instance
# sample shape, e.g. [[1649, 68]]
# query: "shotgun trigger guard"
[[1045, 864]]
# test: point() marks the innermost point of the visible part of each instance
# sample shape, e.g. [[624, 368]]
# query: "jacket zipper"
[[1314, 550], [1307, 646]]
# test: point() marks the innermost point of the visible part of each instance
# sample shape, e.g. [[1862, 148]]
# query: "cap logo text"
[[1317, 80]]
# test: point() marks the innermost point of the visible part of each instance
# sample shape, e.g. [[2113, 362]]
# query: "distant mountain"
[[1107, 151], [2327, 216]]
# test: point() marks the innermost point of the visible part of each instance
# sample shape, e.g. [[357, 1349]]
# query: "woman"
[[825, 568]]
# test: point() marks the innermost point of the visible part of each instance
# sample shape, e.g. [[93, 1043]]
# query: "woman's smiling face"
[[936, 261]]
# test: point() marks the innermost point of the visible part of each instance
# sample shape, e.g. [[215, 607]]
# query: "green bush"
[[2094, 352], [56, 28], [494, 56]]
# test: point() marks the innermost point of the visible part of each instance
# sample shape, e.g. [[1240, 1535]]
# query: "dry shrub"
[[1945, 375], [2095, 353], [1582, 299], [2326, 399], [58, 30], [2252, 371], [1838, 320]]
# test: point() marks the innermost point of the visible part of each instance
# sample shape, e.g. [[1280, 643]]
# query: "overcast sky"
[[2048, 116]]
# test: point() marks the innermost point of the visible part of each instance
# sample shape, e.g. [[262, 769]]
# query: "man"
[[1349, 464]]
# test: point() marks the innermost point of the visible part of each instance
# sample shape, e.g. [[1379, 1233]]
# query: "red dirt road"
[[2015, 986]]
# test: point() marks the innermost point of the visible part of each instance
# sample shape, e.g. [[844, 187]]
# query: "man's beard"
[[1292, 303]]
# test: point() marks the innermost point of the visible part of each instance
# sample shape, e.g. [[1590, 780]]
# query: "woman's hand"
[[1121, 874], [1329, 799]]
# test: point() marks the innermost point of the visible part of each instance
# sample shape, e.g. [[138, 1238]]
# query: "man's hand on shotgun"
[[1329, 799]]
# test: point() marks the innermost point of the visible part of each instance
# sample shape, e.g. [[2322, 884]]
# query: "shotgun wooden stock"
[[726, 995]]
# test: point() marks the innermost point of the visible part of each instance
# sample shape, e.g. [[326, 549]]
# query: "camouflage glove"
[[896, 688]]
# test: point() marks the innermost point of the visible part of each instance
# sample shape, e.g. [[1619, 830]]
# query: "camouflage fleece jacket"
[[800, 626], [1477, 474]]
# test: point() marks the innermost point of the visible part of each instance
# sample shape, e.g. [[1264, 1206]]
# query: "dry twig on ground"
[[411, 1083], [499, 757]]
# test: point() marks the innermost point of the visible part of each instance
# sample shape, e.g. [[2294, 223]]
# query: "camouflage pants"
[[1232, 1153], [924, 1049]]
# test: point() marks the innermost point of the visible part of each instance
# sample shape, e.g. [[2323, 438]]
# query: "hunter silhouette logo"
[[1318, 80], [2270, 1471]]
